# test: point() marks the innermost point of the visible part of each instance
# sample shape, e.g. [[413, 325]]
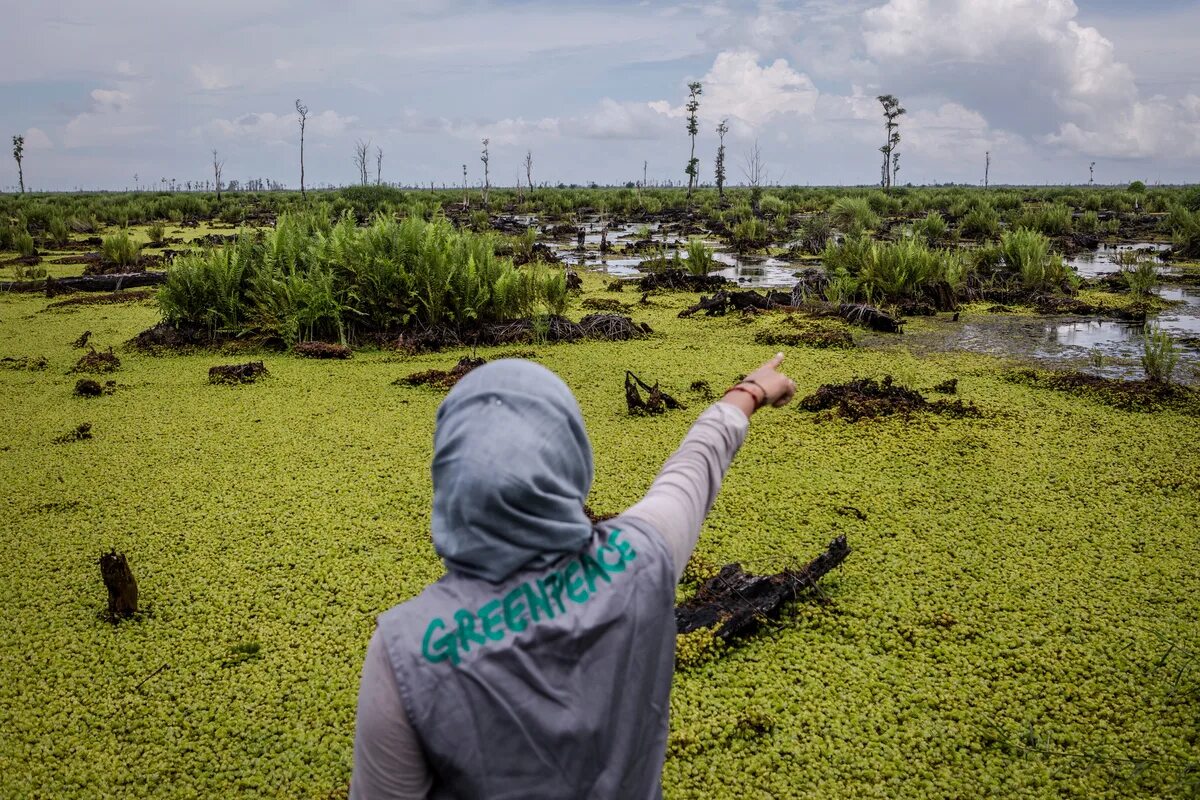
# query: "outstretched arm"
[[686, 487]]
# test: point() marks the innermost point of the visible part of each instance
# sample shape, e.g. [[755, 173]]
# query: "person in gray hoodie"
[[540, 665]]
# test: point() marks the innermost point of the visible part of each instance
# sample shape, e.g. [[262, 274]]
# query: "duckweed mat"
[[1019, 617]]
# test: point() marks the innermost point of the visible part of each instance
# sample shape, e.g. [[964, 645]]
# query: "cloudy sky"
[[104, 91]]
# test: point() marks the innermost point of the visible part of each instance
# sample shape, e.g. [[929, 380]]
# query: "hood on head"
[[512, 466]]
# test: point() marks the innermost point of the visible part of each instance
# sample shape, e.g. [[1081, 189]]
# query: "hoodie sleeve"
[[687, 485], [388, 760]]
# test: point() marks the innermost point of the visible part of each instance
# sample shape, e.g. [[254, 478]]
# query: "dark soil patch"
[[806, 333], [236, 374], [616, 286], [656, 402], [34, 363], [82, 341], [949, 386], [603, 304], [442, 379], [748, 300], [81, 258], [1062, 304], [96, 361], [79, 433], [165, 336], [678, 280], [125, 296], [734, 603], [87, 387], [866, 398], [1142, 395], [704, 389], [322, 350]]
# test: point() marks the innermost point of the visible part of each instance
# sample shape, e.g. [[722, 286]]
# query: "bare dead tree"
[[987, 166], [644, 165], [466, 193], [486, 184], [895, 166], [378, 165], [19, 155], [1092, 174], [218, 165], [361, 149], [529, 170], [302, 113], [754, 169]]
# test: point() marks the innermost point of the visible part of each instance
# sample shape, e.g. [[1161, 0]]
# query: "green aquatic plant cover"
[[1018, 619]]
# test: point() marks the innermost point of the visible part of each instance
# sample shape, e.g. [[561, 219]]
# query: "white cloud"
[[212, 78], [36, 139], [1057, 75], [274, 128], [112, 118], [736, 86]]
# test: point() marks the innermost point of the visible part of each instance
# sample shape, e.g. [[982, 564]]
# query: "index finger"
[[775, 361]]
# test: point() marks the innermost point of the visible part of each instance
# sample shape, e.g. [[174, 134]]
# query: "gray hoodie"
[[540, 665]]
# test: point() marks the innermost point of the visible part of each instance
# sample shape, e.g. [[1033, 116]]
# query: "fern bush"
[[310, 279], [1027, 253]]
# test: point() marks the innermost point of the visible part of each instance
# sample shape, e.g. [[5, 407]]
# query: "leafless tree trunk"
[[19, 155], [378, 165], [302, 112], [217, 166], [466, 193], [486, 185], [529, 170], [754, 169], [987, 166], [645, 164], [360, 159]]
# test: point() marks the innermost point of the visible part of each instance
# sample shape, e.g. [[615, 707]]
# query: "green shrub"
[[699, 257], [1027, 253], [1160, 355], [307, 279], [981, 222], [120, 249], [852, 215], [893, 270], [1089, 222], [22, 242], [932, 228], [750, 234], [1052, 220], [1139, 272], [58, 231], [157, 232]]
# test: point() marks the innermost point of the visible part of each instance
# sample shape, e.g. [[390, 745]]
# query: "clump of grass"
[[981, 222], [897, 270], [1027, 253], [157, 232], [1160, 355], [699, 257], [22, 242], [853, 215], [1053, 219], [120, 249], [750, 234], [932, 228], [58, 230], [1138, 272]]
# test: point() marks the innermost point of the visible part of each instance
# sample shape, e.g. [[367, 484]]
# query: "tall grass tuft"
[[307, 279], [120, 249], [853, 215], [981, 222], [1160, 355], [699, 257], [1027, 253], [932, 228], [1138, 272]]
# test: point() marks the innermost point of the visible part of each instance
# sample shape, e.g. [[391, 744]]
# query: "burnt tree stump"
[[121, 585]]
